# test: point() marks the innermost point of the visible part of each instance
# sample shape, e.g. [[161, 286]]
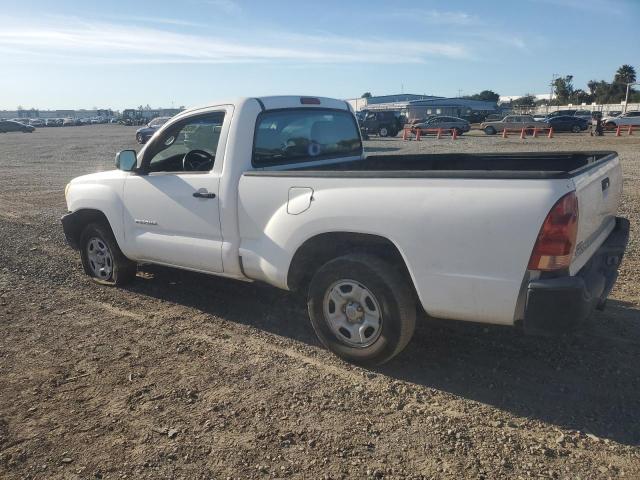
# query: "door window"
[[187, 146]]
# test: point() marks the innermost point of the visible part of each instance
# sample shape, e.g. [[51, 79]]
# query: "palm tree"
[[625, 74]]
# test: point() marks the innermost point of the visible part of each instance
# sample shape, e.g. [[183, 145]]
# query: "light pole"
[[626, 97], [553, 79]]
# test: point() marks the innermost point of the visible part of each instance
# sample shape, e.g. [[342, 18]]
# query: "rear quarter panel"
[[466, 242]]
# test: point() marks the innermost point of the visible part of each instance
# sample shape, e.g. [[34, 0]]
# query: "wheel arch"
[[73, 223], [319, 249]]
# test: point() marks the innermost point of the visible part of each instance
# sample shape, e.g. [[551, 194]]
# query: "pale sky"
[[120, 54]]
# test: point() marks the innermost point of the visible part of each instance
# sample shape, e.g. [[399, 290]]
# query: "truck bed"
[[468, 221], [543, 165]]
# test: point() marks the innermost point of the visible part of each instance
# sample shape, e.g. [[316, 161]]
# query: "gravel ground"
[[187, 376]]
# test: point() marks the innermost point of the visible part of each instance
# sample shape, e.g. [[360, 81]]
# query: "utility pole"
[[459, 93], [553, 79], [626, 97]]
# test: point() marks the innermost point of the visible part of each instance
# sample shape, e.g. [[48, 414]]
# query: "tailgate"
[[599, 190]]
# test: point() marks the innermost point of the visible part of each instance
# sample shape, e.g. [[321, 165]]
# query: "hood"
[[100, 176]]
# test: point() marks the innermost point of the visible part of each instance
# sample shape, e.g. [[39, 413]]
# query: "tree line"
[[598, 91]]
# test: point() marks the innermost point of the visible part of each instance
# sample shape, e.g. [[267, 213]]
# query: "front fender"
[[88, 197]]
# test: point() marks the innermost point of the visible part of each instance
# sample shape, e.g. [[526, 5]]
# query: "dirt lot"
[[186, 376]]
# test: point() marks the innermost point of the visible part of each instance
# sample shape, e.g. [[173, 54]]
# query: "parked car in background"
[[568, 123], [51, 122], [145, 133], [629, 118], [36, 122], [494, 117], [382, 123], [585, 114], [511, 122], [68, 122], [562, 113], [446, 123], [7, 126]]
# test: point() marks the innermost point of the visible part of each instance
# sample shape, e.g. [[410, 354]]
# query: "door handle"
[[605, 184], [204, 195]]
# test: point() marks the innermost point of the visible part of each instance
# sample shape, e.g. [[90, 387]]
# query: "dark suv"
[[383, 123]]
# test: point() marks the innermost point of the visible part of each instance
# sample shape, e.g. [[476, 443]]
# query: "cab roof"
[[278, 102]]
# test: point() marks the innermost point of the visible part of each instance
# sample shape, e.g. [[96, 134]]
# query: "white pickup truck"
[[279, 190]]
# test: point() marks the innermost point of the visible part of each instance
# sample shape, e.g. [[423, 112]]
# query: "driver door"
[[171, 213]]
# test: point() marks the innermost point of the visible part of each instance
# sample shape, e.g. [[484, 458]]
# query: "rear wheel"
[[362, 308], [140, 138], [458, 132], [576, 129], [101, 257], [383, 132], [489, 130]]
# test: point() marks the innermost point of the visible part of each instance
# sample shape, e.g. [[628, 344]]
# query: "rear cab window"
[[298, 136]]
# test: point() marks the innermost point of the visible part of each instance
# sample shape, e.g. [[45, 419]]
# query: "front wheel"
[[383, 132], [490, 131], [362, 308], [101, 257], [576, 129]]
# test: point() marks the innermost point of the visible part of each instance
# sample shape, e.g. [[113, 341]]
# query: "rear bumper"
[[559, 305]]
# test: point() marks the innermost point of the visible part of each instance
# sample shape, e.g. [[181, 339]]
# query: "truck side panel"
[[466, 242]]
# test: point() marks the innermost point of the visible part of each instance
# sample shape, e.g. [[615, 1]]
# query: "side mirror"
[[126, 160]]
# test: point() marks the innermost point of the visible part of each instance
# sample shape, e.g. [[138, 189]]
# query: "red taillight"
[[557, 238], [309, 101]]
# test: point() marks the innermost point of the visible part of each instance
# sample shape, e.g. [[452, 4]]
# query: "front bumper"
[[70, 227], [559, 305]]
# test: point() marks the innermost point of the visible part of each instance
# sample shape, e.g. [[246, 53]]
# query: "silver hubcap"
[[100, 260], [353, 313]]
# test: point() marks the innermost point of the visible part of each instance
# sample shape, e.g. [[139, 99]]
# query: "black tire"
[[393, 294], [140, 138], [489, 130], [122, 270], [383, 132], [458, 132], [576, 129]]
